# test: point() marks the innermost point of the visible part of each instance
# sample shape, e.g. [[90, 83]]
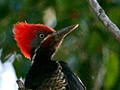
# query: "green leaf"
[[94, 43], [21, 66], [112, 70]]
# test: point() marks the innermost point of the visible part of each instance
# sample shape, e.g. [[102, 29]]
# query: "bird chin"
[[56, 47]]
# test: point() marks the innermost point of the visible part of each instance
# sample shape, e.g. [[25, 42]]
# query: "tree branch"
[[111, 27], [20, 85]]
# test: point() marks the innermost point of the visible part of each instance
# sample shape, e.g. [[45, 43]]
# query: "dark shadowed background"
[[91, 52]]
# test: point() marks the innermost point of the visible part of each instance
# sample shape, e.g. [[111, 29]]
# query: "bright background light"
[[7, 75]]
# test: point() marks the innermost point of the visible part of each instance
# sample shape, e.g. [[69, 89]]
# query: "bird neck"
[[42, 68], [41, 56]]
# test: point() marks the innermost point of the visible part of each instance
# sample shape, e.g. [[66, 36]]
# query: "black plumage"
[[47, 74]]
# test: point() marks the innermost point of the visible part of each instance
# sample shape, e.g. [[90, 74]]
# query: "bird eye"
[[41, 35]]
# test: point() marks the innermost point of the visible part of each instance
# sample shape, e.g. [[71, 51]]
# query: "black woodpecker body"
[[46, 73]]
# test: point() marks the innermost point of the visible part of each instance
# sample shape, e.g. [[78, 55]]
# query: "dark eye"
[[41, 35]]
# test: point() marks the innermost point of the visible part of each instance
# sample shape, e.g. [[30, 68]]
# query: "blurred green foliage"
[[88, 50]]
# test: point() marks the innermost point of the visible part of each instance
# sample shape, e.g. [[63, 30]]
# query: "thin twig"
[[99, 79], [20, 85], [109, 25]]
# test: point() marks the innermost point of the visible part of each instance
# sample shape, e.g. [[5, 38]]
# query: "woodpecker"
[[39, 43]]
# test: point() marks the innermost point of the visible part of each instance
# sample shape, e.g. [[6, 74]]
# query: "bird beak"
[[55, 39], [64, 32]]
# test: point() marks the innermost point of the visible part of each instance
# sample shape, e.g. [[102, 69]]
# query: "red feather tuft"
[[24, 33]]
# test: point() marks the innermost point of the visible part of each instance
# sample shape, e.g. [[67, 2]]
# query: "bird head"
[[33, 36]]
